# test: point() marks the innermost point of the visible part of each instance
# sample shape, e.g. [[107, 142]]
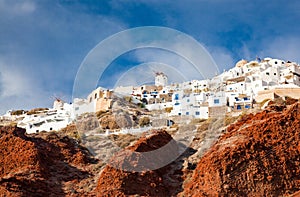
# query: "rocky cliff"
[[257, 156], [117, 180], [43, 165]]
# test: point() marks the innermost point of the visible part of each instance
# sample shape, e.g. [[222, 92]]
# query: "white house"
[[189, 104], [161, 79], [124, 90], [216, 99], [48, 120], [82, 106]]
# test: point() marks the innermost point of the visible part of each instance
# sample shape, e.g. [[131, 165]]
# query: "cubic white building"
[[161, 79], [48, 120]]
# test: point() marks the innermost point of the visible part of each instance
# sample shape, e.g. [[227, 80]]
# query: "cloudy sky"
[[43, 43]]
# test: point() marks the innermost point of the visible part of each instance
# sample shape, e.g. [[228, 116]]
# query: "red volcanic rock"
[[39, 165], [131, 170], [257, 156]]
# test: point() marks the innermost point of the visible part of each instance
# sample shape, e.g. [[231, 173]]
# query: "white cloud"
[[19, 90], [145, 74], [222, 57], [168, 60], [14, 8], [42, 44], [286, 48], [25, 7], [13, 82], [245, 52]]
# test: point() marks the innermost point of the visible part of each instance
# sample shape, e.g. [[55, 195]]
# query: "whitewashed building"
[[161, 79], [48, 120]]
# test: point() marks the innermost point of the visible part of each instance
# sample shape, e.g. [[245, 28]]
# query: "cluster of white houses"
[[234, 90]]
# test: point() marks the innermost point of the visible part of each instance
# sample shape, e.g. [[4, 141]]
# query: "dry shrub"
[[123, 140], [18, 112], [101, 113], [230, 119], [197, 121], [36, 111], [144, 121]]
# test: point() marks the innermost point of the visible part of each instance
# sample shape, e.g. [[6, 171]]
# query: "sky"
[[43, 43]]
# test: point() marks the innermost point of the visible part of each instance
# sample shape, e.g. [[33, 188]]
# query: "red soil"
[[39, 165], [257, 156], [118, 182]]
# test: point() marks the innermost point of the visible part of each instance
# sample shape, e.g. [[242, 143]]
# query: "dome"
[[253, 64], [241, 63]]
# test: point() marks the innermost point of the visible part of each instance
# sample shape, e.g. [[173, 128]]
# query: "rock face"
[[115, 181], [108, 122], [41, 165], [257, 156]]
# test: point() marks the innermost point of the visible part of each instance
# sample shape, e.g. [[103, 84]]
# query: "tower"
[[161, 79]]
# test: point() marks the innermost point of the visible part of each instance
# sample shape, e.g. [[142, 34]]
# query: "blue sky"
[[42, 43]]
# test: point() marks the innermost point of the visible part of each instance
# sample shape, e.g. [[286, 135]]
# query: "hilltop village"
[[248, 85]]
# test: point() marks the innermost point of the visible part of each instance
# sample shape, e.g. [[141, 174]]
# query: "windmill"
[[157, 73], [58, 102]]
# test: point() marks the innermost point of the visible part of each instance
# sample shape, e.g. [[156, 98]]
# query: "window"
[[179, 114], [247, 106], [177, 103], [187, 113], [50, 128], [197, 113], [176, 96], [164, 91], [95, 95], [216, 101], [90, 99], [267, 73], [274, 73], [76, 108], [275, 62], [238, 107], [188, 100]]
